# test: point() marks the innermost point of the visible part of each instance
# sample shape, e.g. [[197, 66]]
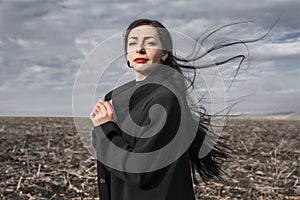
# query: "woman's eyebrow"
[[133, 37], [149, 37]]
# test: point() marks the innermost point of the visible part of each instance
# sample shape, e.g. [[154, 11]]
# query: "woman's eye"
[[131, 43], [151, 43]]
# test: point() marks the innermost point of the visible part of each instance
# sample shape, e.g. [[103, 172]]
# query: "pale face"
[[144, 50]]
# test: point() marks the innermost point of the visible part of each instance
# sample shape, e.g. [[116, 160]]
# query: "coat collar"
[[158, 75]]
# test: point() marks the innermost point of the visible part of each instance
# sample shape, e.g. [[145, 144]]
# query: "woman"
[[148, 47]]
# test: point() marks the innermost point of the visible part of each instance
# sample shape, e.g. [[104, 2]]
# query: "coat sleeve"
[[113, 132]]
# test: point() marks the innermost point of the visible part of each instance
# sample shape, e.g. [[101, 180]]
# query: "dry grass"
[[43, 158]]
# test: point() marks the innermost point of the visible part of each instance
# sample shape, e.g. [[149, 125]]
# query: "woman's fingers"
[[100, 107], [95, 111], [101, 101], [102, 112], [108, 107]]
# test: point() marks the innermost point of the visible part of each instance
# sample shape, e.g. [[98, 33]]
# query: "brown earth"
[[43, 158]]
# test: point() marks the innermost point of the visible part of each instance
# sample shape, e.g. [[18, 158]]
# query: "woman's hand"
[[102, 112]]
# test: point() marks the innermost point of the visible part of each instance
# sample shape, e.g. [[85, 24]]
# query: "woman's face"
[[144, 50]]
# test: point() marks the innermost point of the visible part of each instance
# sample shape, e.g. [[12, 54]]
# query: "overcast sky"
[[43, 44]]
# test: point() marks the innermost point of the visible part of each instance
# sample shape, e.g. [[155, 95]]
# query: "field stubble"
[[44, 158]]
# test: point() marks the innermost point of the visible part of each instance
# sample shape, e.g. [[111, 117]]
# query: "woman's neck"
[[140, 77]]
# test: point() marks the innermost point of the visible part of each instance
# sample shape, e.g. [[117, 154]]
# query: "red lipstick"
[[140, 60]]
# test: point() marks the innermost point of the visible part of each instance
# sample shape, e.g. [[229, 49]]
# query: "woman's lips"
[[140, 60]]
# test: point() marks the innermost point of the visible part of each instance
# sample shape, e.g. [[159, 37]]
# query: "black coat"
[[172, 182]]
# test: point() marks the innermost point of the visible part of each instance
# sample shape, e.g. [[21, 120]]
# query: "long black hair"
[[209, 166]]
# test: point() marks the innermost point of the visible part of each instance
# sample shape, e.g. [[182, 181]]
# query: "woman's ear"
[[165, 55]]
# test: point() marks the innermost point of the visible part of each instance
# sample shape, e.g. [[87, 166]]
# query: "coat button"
[[102, 180]]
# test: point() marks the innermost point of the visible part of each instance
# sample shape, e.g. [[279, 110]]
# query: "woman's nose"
[[140, 48]]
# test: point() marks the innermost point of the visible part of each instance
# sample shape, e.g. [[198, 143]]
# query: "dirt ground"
[[43, 158]]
